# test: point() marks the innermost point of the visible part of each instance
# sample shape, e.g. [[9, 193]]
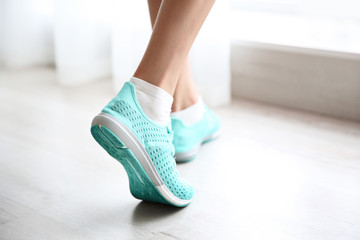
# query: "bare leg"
[[186, 93], [175, 29]]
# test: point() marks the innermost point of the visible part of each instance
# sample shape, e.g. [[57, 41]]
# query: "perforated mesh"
[[158, 144], [187, 138]]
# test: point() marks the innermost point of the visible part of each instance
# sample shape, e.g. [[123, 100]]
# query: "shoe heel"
[[140, 184]]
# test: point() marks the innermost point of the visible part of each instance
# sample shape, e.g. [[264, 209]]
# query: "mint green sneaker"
[[188, 139], [143, 147]]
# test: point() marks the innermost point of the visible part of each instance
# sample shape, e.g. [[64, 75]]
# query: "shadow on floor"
[[148, 211]]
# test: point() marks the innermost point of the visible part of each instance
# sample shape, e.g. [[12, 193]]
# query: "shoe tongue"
[[171, 136], [168, 126]]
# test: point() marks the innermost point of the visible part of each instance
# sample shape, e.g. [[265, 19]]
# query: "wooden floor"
[[275, 173]]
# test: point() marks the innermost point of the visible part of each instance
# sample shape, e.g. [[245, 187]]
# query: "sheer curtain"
[[89, 40], [26, 33], [82, 40]]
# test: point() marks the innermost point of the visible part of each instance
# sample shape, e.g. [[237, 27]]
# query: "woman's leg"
[[134, 128], [186, 93], [188, 110], [175, 29]]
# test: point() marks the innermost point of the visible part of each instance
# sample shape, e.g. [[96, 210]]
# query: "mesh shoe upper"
[[156, 139], [187, 137]]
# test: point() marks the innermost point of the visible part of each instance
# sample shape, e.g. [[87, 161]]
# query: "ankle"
[[185, 102], [191, 114]]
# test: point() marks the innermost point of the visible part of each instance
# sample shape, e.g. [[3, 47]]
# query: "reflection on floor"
[[274, 173]]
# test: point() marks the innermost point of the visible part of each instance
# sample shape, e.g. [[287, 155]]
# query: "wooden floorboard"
[[274, 173]]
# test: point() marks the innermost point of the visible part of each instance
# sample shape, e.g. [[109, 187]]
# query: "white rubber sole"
[[132, 142], [189, 155]]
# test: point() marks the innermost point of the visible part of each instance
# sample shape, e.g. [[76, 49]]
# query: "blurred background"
[[287, 52], [282, 75], [92, 40]]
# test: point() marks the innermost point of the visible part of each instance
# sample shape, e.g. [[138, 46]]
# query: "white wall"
[[314, 80]]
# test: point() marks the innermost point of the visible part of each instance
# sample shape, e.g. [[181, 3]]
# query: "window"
[[322, 24]]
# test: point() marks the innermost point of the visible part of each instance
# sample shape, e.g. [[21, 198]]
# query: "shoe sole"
[[191, 154], [123, 145]]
